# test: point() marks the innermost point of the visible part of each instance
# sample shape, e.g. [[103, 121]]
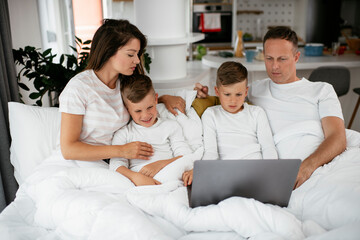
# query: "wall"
[[273, 12], [25, 31]]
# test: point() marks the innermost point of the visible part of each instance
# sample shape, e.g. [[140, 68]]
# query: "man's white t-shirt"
[[243, 135], [295, 111], [102, 107], [302, 100], [165, 136]]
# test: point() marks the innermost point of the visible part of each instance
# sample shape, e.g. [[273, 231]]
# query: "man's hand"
[[333, 144], [187, 177], [172, 102], [305, 171], [202, 91]]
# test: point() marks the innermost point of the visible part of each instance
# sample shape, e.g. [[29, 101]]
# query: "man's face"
[[280, 60], [144, 112], [232, 96]]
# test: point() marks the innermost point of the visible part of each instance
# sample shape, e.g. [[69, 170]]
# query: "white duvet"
[[90, 203], [69, 202]]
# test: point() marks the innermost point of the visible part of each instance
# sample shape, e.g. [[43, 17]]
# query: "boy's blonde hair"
[[231, 72], [136, 87]]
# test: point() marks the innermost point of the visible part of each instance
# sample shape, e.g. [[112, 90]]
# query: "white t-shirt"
[[286, 104], [243, 135], [295, 111], [103, 109], [165, 136]]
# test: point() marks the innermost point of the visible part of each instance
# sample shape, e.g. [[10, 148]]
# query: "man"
[[293, 104]]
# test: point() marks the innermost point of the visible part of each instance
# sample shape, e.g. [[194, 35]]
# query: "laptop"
[[268, 181]]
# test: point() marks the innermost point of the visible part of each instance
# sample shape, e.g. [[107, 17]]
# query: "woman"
[[91, 106]]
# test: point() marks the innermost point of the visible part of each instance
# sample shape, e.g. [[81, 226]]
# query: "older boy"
[[165, 135], [234, 129]]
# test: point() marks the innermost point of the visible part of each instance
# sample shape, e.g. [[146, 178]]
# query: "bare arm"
[[333, 144], [172, 102], [137, 178], [152, 169], [73, 148]]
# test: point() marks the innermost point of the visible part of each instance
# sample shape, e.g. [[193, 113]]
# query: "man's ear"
[[156, 98], [216, 91], [297, 56]]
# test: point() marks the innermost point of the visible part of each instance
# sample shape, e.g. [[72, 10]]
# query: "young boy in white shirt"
[[164, 135], [235, 129]]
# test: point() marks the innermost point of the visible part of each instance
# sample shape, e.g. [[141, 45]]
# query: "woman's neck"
[[109, 78]]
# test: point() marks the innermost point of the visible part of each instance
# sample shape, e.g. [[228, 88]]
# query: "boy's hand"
[[152, 169], [172, 102], [139, 180], [137, 150], [187, 177], [202, 91]]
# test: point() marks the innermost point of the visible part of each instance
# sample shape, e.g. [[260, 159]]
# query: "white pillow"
[[34, 131]]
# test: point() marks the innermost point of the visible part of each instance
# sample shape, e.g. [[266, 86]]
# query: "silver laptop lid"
[[268, 181]]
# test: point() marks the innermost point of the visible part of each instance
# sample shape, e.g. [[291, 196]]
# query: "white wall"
[[25, 31]]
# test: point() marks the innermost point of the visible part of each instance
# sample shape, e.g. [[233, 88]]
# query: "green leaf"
[[39, 103], [62, 57], [34, 95], [73, 48], [23, 86], [46, 52], [78, 39]]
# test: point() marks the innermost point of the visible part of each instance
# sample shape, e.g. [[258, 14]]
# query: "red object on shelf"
[[341, 50]]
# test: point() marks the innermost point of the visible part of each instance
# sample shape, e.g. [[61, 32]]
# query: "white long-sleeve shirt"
[[166, 137], [243, 135]]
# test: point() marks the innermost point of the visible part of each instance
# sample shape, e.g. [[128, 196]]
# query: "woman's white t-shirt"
[[102, 107]]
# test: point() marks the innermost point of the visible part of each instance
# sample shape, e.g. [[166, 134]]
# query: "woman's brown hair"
[[109, 37]]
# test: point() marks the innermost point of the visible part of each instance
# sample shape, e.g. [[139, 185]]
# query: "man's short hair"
[[135, 88], [230, 73], [282, 32]]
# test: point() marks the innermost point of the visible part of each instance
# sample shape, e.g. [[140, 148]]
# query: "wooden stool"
[[357, 91]]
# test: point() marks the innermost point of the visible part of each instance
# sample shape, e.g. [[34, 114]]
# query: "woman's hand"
[[136, 150], [202, 91], [140, 180], [187, 177], [172, 102], [152, 169]]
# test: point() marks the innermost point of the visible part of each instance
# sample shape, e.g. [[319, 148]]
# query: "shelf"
[[257, 12], [193, 37]]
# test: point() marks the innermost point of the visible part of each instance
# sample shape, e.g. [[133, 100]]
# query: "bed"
[[62, 202]]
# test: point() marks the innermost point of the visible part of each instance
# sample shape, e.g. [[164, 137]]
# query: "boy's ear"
[[246, 92], [156, 98], [216, 91]]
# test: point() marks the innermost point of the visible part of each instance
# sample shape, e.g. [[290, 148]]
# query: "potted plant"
[[48, 76]]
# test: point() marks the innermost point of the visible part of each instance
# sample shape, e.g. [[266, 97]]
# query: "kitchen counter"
[[349, 60]]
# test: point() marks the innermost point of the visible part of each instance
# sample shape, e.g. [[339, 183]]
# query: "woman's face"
[[126, 58]]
